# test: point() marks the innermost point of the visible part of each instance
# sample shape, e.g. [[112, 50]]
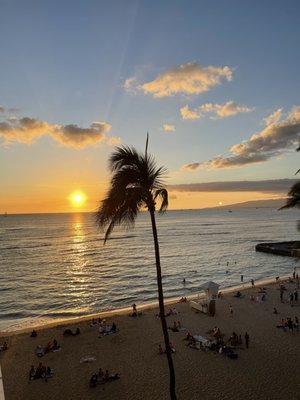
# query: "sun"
[[77, 198]]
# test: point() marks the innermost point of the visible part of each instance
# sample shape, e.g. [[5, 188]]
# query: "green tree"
[[136, 184]]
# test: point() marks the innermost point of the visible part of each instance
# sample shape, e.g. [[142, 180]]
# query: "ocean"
[[54, 266]]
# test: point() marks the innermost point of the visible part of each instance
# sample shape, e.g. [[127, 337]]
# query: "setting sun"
[[77, 198]]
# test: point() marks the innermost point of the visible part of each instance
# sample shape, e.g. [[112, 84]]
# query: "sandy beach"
[[267, 370]]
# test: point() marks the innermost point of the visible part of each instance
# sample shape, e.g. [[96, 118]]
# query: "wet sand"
[[269, 369]]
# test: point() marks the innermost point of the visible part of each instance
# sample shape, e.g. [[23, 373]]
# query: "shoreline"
[[124, 310]]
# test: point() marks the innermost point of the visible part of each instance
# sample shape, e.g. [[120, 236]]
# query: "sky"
[[216, 85]]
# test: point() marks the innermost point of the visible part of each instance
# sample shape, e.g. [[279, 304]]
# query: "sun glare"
[[77, 199]]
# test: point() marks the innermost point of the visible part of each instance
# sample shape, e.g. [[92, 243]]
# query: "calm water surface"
[[55, 265]]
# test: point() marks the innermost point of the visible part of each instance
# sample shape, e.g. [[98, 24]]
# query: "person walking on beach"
[[252, 282], [247, 339], [295, 296], [242, 278]]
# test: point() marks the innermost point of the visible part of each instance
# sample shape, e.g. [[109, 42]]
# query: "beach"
[[268, 369]]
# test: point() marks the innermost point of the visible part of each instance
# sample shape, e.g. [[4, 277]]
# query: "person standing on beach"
[[291, 299], [297, 279], [252, 282], [295, 296], [247, 339], [281, 294], [242, 278], [231, 310]]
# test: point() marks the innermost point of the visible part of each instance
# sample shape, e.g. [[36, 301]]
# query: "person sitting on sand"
[[32, 373], [33, 333], [216, 332], [238, 294], [69, 332], [94, 380], [189, 337], [93, 322], [172, 347], [40, 371], [183, 300], [174, 327], [4, 347]]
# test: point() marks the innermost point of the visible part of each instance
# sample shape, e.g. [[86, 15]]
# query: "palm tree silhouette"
[[136, 183]]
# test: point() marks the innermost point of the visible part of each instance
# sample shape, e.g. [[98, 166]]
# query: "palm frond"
[[293, 197], [163, 195], [124, 156]]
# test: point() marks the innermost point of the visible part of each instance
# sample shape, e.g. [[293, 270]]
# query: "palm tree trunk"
[[162, 307]]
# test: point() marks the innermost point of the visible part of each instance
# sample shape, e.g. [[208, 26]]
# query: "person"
[[33, 333], [240, 340], [220, 295], [281, 295], [297, 279], [32, 373], [4, 347], [252, 282], [238, 294], [106, 376], [183, 281], [100, 374], [275, 310], [290, 324], [252, 297], [94, 380], [242, 278], [183, 300], [175, 327], [114, 327], [40, 371], [291, 298], [296, 324], [247, 339], [294, 274], [295, 296], [160, 350], [134, 310], [230, 310]]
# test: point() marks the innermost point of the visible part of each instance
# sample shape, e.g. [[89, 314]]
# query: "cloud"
[[264, 186], [28, 130], [189, 78], [131, 84], [227, 109], [274, 117], [168, 128], [276, 138], [187, 113]]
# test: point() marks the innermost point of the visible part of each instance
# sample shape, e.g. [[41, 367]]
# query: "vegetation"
[[136, 184]]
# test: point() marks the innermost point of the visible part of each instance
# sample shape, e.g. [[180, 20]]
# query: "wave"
[[26, 246]]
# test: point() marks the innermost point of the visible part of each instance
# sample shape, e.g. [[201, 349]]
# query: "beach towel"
[[87, 359]]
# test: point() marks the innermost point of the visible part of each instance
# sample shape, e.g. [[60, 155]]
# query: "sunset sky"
[[216, 84]]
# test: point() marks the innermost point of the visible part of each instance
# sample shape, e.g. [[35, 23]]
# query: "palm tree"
[[136, 183], [293, 199]]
